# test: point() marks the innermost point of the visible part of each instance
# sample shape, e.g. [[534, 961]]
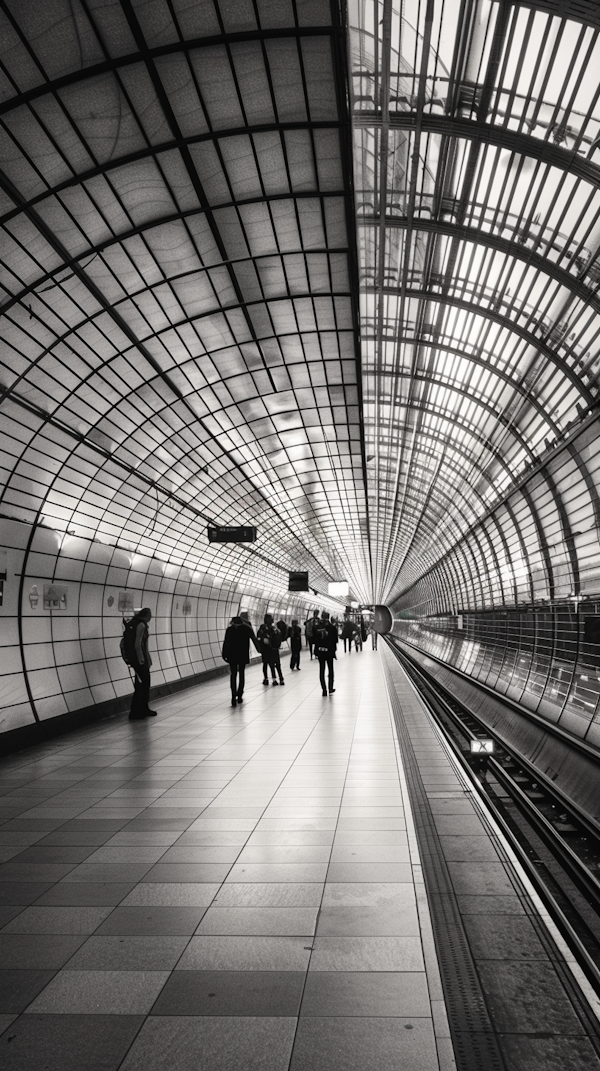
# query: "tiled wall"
[[66, 657], [541, 659]]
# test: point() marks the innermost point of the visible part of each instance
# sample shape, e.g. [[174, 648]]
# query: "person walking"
[[269, 639], [140, 662], [326, 640], [295, 644], [236, 651]]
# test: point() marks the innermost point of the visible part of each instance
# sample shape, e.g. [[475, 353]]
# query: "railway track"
[[558, 845]]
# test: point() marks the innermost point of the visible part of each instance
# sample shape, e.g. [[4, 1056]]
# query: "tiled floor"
[[219, 889]]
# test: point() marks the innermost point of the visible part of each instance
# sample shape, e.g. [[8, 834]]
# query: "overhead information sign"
[[298, 582], [240, 534]]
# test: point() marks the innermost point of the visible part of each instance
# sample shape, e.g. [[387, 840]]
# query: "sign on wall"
[[55, 597], [126, 601]]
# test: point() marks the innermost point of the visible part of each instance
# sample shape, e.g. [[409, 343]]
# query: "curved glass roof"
[[209, 313], [477, 156], [179, 307]]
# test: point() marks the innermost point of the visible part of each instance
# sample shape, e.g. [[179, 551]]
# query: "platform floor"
[[219, 889]]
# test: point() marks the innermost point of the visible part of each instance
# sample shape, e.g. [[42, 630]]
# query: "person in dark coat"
[[347, 634], [325, 641], [236, 651], [269, 640], [140, 664], [295, 644], [310, 627]]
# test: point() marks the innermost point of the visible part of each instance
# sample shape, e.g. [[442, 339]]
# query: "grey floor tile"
[[42, 920], [274, 921], [370, 853], [151, 920], [485, 878], [231, 993], [212, 1043], [188, 853], [128, 954], [369, 894], [291, 836], [246, 954], [458, 824], [527, 998], [503, 937], [273, 894], [546, 1053], [80, 894], [68, 1043], [48, 853], [5, 1021], [370, 836], [490, 905], [37, 951], [102, 872], [8, 912], [367, 954], [369, 872], [192, 872], [100, 993], [285, 853], [273, 872], [141, 839], [199, 838], [171, 894], [35, 872], [364, 1044], [377, 993], [22, 893], [90, 838], [18, 988], [375, 824], [466, 848], [114, 855], [385, 919]]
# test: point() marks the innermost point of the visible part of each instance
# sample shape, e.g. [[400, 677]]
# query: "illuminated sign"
[[482, 747], [338, 589]]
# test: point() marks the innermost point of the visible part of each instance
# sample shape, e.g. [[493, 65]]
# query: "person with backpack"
[[326, 640], [134, 648], [236, 651], [269, 640], [295, 644], [309, 629]]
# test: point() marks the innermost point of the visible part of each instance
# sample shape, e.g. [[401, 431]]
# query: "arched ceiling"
[[477, 167], [327, 269]]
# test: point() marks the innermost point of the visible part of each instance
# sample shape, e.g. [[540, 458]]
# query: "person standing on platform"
[[347, 632], [309, 628], [326, 640], [236, 651], [295, 644], [140, 661], [269, 639]]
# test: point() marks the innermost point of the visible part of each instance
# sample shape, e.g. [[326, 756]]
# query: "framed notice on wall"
[[126, 602], [55, 597]]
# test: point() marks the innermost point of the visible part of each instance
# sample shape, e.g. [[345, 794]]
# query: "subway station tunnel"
[[330, 270]]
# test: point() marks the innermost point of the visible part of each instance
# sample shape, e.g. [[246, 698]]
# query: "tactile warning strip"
[[473, 1035]]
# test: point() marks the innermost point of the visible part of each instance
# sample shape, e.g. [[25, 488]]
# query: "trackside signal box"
[[240, 534]]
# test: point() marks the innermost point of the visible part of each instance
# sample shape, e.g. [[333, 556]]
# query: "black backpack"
[[322, 640], [127, 644]]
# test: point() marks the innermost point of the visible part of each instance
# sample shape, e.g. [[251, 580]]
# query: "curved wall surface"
[[516, 602], [63, 604]]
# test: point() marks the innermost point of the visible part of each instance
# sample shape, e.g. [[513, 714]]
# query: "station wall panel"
[[64, 600]]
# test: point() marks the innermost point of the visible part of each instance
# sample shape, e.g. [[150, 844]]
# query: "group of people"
[[321, 631], [322, 635]]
